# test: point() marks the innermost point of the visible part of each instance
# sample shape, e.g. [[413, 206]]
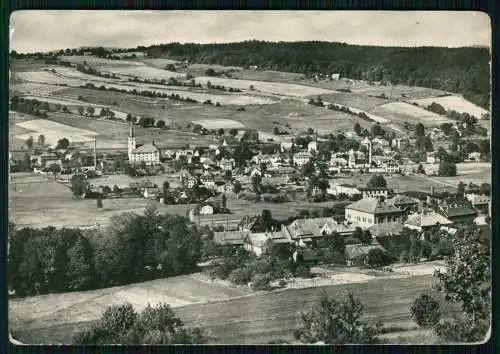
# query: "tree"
[[81, 110], [29, 143], [237, 187], [220, 132], [419, 129], [467, 282], [79, 185], [223, 201], [485, 189], [425, 311], [334, 322], [166, 186], [233, 131], [90, 110], [447, 168], [310, 131], [276, 131], [420, 169], [41, 140], [99, 203], [62, 143], [461, 188], [365, 237], [377, 181], [357, 129], [79, 267], [377, 258]]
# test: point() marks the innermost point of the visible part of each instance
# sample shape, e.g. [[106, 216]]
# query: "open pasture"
[[395, 91], [96, 61], [32, 88], [158, 62], [267, 75], [141, 71], [49, 202], [354, 100], [282, 89], [219, 123], [54, 131], [397, 182], [48, 78], [456, 103], [79, 307], [468, 172], [400, 112], [257, 318]]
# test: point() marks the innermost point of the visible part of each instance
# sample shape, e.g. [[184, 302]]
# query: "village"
[[287, 192]]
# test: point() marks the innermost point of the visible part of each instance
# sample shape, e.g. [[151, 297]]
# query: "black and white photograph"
[[249, 177]]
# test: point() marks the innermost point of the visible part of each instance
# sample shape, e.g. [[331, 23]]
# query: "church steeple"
[[131, 132]]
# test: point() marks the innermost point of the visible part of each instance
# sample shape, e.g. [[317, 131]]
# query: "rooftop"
[[229, 237], [386, 229], [373, 206], [146, 148], [427, 219]]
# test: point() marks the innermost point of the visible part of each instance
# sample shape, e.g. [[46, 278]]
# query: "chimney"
[[370, 153], [95, 153]]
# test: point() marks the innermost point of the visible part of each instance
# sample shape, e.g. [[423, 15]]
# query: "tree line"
[[461, 70], [133, 248]]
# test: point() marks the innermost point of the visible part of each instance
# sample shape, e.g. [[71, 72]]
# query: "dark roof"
[[451, 212], [374, 206]]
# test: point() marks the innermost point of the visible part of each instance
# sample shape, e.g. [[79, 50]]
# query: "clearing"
[[456, 103], [219, 123], [400, 112], [54, 131]]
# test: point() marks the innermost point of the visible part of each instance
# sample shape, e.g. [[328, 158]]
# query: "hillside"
[[460, 70]]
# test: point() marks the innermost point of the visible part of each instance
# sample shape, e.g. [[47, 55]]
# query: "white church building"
[[149, 153]]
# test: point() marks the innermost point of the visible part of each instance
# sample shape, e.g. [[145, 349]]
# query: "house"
[[303, 231], [248, 223], [375, 192], [406, 203], [425, 220], [255, 171], [268, 159], [257, 243], [431, 158], [479, 202], [206, 209], [474, 156], [46, 159], [230, 238], [301, 158], [207, 179], [187, 180], [151, 192], [182, 198], [370, 211], [226, 164], [355, 252], [338, 161], [392, 167], [458, 210], [343, 189], [335, 76], [312, 146], [286, 146]]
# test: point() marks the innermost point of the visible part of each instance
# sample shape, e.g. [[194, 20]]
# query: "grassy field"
[[456, 103], [400, 112], [469, 172], [39, 201], [355, 100], [254, 319], [397, 182]]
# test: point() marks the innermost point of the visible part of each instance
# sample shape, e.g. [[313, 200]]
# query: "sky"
[[44, 30]]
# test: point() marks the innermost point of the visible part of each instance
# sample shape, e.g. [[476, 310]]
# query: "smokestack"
[[95, 153], [370, 153]]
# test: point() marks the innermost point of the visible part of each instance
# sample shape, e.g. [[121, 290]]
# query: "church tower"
[[131, 143]]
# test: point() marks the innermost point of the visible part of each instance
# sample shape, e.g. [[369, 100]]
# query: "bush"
[[240, 276], [377, 258], [303, 271], [261, 282], [425, 311]]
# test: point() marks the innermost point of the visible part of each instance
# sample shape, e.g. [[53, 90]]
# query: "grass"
[[355, 100], [400, 112], [39, 201], [68, 308], [397, 182], [259, 318], [456, 103]]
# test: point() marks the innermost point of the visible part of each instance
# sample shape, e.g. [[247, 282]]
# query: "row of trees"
[[132, 248]]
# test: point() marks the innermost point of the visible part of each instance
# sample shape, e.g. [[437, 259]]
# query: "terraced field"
[[400, 112]]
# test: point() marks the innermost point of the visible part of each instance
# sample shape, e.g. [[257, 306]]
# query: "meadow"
[[54, 131], [400, 112], [246, 319], [456, 103]]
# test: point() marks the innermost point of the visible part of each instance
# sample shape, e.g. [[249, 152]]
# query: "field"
[[39, 201], [33, 88], [143, 72], [54, 131], [282, 89], [396, 91], [400, 112], [469, 172], [456, 103], [354, 100], [267, 75], [258, 318], [399, 183], [219, 123], [61, 309]]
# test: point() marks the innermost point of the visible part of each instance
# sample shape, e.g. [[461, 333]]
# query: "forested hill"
[[459, 70]]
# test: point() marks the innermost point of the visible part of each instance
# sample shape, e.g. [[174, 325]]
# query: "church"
[[149, 153]]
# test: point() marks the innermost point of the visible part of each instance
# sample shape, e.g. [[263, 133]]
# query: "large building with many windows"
[[371, 211], [149, 153]]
